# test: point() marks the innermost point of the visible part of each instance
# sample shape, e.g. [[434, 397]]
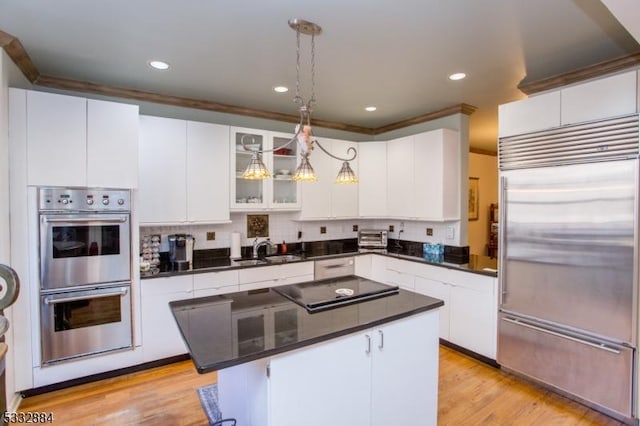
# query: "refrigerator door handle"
[[562, 336], [502, 240]]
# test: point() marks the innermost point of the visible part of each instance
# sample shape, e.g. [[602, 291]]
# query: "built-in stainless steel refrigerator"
[[568, 260]]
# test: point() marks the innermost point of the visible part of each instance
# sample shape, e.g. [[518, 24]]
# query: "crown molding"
[[21, 58], [581, 74]]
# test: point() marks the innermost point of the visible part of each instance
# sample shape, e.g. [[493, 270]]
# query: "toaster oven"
[[372, 239]]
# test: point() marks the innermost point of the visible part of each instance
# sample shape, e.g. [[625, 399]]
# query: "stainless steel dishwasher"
[[335, 267]]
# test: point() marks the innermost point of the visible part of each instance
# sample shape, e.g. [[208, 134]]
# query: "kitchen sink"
[[282, 258], [248, 262]]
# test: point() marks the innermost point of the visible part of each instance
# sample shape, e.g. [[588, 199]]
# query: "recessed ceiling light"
[[159, 65], [281, 89], [371, 108], [457, 76]]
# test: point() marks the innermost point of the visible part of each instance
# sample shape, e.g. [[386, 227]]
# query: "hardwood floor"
[[470, 393]]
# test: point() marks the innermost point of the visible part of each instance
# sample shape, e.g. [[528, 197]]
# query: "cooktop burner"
[[332, 293]]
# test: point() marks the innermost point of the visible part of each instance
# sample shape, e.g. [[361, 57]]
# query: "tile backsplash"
[[283, 226]]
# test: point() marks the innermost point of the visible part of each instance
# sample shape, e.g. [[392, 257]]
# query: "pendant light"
[[304, 135]]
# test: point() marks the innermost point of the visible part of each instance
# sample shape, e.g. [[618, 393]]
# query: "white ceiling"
[[395, 55]]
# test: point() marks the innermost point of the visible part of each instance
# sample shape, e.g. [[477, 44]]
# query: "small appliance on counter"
[[372, 240], [181, 251]]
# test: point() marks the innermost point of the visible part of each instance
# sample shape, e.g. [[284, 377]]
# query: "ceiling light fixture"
[[159, 65], [457, 76], [371, 108], [281, 89], [304, 135]]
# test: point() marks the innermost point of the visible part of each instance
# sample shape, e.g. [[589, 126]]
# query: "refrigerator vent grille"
[[604, 140]]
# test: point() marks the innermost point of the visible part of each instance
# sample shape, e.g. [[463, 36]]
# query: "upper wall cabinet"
[[184, 171], [73, 141], [423, 176], [279, 191], [372, 187], [324, 199], [535, 113], [604, 98], [607, 97]]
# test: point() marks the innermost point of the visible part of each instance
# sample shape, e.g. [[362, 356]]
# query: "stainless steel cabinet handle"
[[84, 220], [368, 351], [381, 344], [562, 336], [502, 241], [52, 301]]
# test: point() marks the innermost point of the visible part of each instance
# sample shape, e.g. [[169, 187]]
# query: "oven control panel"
[[84, 200]]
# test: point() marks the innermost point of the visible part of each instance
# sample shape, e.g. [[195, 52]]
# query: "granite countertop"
[[483, 265], [231, 329]]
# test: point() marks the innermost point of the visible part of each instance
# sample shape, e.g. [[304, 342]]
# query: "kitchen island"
[[368, 363]]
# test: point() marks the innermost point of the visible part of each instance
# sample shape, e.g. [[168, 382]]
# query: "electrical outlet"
[[402, 226], [323, 229], [451, 232], [355, 228], [391, 228], [211, 236], [430, 232]]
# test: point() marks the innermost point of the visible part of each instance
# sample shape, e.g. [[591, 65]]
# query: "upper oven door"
[[83, 249]]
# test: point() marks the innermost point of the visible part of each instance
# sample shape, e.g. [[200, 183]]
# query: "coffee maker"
[[181, 251]]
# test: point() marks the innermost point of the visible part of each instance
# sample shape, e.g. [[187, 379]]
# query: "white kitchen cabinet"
[[441, 291], [213, 283], [162, 195], [474, 312], [56, 139], [112, 144], [363, 266], [382, 376], [537, 112], [602, 98], [436, 175], [72, 141], [184, 171], [279, 191], [272, 276], [398, 273], [400, 180], [207, 165], [325, 199], [160, 335], [372, 174]]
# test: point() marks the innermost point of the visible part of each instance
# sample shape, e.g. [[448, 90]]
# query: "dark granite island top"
[[236, 328]]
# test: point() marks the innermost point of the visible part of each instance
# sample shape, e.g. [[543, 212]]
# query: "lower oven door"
[[86, 322]]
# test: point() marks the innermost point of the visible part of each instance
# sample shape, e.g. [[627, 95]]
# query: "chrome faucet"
[[257, 245]]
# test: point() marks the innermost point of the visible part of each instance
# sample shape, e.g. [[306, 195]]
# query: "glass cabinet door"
[[247, 193], [285, 192]]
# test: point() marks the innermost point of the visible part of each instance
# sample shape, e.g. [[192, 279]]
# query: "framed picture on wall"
[[474, 198]]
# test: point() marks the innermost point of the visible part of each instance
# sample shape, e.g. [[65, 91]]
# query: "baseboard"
[[486, 360], [14, 403], [101, 376]]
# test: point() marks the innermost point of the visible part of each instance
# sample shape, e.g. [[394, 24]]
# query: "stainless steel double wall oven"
[[85, 272]]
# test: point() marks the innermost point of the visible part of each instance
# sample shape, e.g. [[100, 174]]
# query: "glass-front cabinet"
[[279, 191]]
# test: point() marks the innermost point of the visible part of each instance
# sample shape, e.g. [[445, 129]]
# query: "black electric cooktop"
[[331, 293]]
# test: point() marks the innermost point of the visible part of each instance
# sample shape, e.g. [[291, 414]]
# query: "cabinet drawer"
[[272, 273], [213, 280], [476, 282], [176, 284], [534, 351]]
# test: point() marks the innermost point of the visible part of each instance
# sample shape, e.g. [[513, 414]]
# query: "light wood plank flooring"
[[471, 393]]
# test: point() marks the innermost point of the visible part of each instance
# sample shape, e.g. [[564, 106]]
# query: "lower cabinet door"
[[160, 335], [325, 384], [404, 372]]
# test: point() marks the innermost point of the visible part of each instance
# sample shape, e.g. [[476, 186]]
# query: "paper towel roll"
[[235, 246]]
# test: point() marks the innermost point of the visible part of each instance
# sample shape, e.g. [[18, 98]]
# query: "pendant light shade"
[[304, 172], [256, 168], [346, 174]]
